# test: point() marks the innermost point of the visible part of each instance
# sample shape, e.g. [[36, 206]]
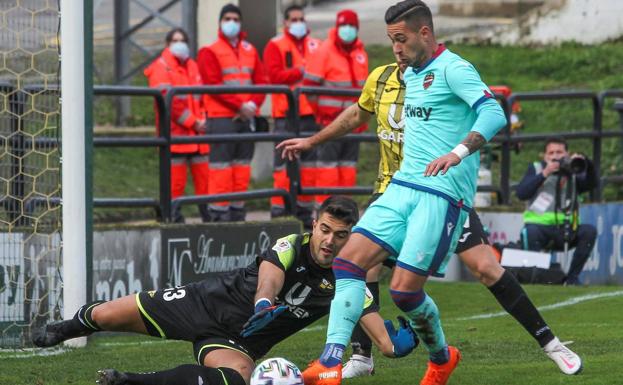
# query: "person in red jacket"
[[285, 57], [230, 60], [342, 62], [174, 67]]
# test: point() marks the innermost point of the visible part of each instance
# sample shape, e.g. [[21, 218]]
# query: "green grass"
[[495, 351], [567, 67]]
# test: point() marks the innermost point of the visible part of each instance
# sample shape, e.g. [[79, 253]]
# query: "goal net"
[[30, 179]]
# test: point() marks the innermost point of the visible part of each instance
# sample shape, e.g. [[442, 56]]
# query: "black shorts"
[[180, 314], [473, 234], [203, 346]]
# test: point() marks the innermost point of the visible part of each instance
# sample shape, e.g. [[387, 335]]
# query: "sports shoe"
[[439, 374], [567, 361], [358, 366], [56, 332], [318, 374], [111, 377]]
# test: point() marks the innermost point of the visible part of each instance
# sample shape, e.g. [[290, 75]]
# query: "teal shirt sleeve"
[[465, 82], [490, 119]]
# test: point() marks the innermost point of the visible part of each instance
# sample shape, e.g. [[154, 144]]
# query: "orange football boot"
[[318, 374], [439, 374]]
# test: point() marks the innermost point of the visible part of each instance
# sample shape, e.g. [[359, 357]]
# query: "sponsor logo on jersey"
[[423, 113], [151, 293], [282, 245], [300, 269], [396, 137], [428, 80], [325, 285]]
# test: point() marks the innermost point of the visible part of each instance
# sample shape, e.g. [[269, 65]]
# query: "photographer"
[[551, 216]]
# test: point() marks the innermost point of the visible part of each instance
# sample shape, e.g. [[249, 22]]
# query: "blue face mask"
[[298, 29], [180, 50], [230, 28], [347, 33]]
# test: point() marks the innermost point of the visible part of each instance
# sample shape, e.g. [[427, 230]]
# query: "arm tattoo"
[[474, 141]]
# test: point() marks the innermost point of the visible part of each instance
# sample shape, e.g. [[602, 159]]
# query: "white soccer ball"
[[276, 371]]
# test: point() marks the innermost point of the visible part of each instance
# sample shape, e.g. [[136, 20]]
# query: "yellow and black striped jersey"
[[384, 95]]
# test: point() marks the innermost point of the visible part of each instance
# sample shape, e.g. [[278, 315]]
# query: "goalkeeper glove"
[[404, 339], [265, 312]]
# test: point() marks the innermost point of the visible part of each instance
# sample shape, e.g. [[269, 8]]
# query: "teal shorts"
[[416, 225]]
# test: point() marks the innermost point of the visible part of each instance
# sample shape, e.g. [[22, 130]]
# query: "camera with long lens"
[[575, 165]]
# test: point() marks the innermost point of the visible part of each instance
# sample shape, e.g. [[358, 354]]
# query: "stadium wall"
[[130, 260]]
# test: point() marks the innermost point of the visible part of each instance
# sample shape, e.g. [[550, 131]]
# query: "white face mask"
[[348, 33], [180, 50], [298, 29], [230, 28]]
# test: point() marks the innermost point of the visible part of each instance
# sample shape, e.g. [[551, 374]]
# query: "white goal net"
[[30, 180]]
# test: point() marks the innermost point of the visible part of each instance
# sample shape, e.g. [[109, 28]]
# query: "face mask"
[[347, 33], [180, 50], [230, 28], [298, 29]]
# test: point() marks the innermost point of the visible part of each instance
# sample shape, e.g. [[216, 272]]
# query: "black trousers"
[[544, 237]]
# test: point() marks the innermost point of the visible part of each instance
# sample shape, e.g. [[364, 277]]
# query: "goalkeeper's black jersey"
[[220, 306]]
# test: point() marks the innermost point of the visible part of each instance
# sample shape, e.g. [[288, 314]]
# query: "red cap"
[[348, 17]]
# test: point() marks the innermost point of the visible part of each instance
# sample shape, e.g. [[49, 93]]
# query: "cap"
[[347, 16]]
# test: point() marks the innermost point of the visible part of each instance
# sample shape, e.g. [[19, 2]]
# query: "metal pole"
[[88, 144], [122, 57], [505, 166], [189, 23], [73, 160], [17, 101], [597, 127]]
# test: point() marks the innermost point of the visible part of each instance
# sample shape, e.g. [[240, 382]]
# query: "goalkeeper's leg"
[[220, 367], [188, 374], [121, 314]]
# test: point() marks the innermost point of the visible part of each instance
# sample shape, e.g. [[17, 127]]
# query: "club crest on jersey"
[[428, 80], [282, 245]]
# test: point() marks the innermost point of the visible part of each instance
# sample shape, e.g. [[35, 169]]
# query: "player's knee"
[[103, 315], [488, 270]]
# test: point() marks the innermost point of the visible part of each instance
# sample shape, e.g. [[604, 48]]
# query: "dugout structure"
[[42, 186]]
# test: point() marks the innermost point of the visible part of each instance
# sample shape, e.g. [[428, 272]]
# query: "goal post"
[[76, 89], [45, 165]]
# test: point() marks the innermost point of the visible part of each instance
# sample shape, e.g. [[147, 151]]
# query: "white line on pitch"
[[30, 353], [569, 302]]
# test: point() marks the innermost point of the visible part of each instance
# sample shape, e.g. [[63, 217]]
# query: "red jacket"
[[335, 65], [285, 57], [221, 63], [167, 71]]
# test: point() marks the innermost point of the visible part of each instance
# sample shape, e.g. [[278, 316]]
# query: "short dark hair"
[[286, 13], [557, 140], [414, 12], [341, 208], [169, 37], [230, 8]]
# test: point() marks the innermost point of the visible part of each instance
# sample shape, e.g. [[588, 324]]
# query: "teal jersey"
[[440, 110]]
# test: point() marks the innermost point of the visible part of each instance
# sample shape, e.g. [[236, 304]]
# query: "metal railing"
[[165, 206]]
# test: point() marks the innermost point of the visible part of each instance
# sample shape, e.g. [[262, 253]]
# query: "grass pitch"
[[496, 350]]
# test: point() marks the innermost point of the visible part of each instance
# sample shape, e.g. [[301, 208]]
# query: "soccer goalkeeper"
[[236, 318]]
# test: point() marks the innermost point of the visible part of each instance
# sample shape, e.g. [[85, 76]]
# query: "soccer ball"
[[276, 371]]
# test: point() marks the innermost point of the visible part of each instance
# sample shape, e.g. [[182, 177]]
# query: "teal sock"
[[346, 308], [427, 325]]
